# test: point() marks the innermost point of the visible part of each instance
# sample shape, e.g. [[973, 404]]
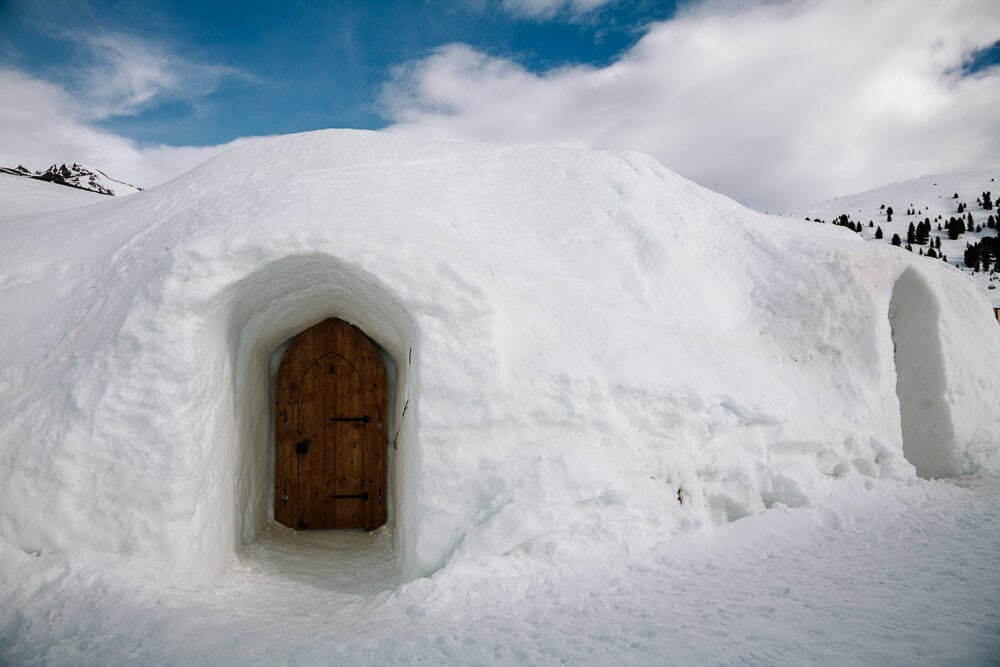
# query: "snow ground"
[[875, 573]]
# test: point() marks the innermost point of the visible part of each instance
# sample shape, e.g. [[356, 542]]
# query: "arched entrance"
[[330, 431], [925, 416]]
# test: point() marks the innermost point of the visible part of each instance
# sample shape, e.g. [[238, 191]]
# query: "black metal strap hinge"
[[363, 420], [362, 496]]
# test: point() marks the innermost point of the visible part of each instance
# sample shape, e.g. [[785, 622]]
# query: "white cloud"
[[774, 103], [123, 75], [546, 9], [41, 124]]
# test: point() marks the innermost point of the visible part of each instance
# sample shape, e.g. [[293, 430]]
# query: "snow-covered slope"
[[581, 338], [24, 197], [76, 176], [934, 198]]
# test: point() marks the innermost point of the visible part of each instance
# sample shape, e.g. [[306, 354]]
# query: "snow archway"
[[928, 431], [256, 318]]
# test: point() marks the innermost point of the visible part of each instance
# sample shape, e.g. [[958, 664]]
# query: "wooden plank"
[[378, 443], [286, 421]]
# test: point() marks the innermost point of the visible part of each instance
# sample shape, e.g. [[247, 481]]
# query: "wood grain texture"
[[330, 378]]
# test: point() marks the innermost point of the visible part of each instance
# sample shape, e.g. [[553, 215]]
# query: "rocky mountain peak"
[[76, 175]]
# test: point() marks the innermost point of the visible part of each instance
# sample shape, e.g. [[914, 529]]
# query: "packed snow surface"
[[877, 573], [622, 405]]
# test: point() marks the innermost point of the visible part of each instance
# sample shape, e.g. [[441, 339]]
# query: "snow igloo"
[[568, 338]]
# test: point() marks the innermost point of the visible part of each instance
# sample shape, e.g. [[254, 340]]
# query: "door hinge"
[[363, 420], [362, 496]]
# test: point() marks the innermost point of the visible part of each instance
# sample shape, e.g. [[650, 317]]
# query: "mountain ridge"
[[78, 176]]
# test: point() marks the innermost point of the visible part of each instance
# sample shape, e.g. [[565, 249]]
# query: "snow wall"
[[588, 348]]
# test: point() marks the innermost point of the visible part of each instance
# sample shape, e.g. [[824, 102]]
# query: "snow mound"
[[589, 352]]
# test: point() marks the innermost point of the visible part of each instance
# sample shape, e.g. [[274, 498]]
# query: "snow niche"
[[948, 421], [920, 377], [260, 316]]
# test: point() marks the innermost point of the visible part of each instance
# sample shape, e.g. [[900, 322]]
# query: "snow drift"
[[583, 348]]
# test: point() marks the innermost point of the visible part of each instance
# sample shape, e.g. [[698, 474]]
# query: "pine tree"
[[896, 240], [878, 232], [923, 231], [911, 235], [971, 256], [955, 228]]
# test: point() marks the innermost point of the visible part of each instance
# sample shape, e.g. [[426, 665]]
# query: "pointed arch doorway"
[[330, 426]]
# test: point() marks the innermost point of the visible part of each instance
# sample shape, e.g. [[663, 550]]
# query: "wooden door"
[[330, 443]]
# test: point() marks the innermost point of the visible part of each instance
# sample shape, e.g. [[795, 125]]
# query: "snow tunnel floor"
[[314, 569]]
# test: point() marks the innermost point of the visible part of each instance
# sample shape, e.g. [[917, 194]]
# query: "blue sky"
[[774, 102], [296, 66]]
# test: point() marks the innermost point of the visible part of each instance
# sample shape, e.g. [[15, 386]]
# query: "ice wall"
[[582, 339]]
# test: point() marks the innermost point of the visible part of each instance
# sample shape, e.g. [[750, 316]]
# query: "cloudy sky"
[[775, 103]]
